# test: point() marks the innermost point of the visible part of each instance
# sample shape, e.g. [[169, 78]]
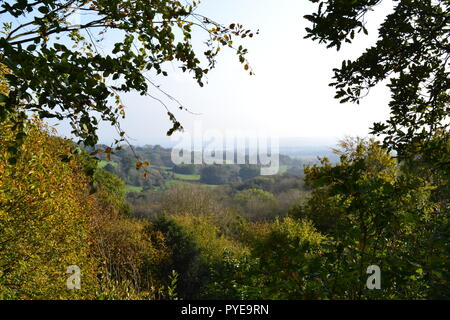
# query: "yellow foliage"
[[44, 223], [49, 220], [4, 87], [207, 236]]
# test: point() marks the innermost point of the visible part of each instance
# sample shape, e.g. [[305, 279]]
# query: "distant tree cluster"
[[185, 169]]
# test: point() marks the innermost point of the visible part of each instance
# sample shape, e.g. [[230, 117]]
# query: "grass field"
[[180, 179], [129, 188], [187, 177]]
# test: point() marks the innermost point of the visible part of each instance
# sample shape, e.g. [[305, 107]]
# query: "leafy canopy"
[[45, 211], [60, 70], [374, 210], [412, 53]]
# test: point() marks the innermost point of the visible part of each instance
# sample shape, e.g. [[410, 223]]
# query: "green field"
[[178, 179], [129, 189], [187, 177]]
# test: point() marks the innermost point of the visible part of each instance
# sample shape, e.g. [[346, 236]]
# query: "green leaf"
[[3, 98], [43, 9]]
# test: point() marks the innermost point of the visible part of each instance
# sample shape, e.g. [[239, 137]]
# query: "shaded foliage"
[[412, 53]]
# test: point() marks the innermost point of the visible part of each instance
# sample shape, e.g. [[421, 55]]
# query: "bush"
[[184, 257], [185, 169], [44, 218], [218, 174]]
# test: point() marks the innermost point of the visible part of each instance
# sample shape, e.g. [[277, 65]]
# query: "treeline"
[[122, 163], [257, 199]]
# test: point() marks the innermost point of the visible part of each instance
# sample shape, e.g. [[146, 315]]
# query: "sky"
[[288, 97]]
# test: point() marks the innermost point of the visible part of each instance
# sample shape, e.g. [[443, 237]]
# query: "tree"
[[184, 258], [256, 204], [283, 259], [289, 255], [217, 174], [185, 169], [45, 208], [247, 172], [190, 199], [57, 209], [58, 71], [373, 212], [412, 52]]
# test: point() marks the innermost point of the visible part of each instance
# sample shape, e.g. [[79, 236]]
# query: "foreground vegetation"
[[264, 238]]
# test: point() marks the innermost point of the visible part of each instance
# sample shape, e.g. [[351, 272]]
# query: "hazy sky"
[[289, 95]]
